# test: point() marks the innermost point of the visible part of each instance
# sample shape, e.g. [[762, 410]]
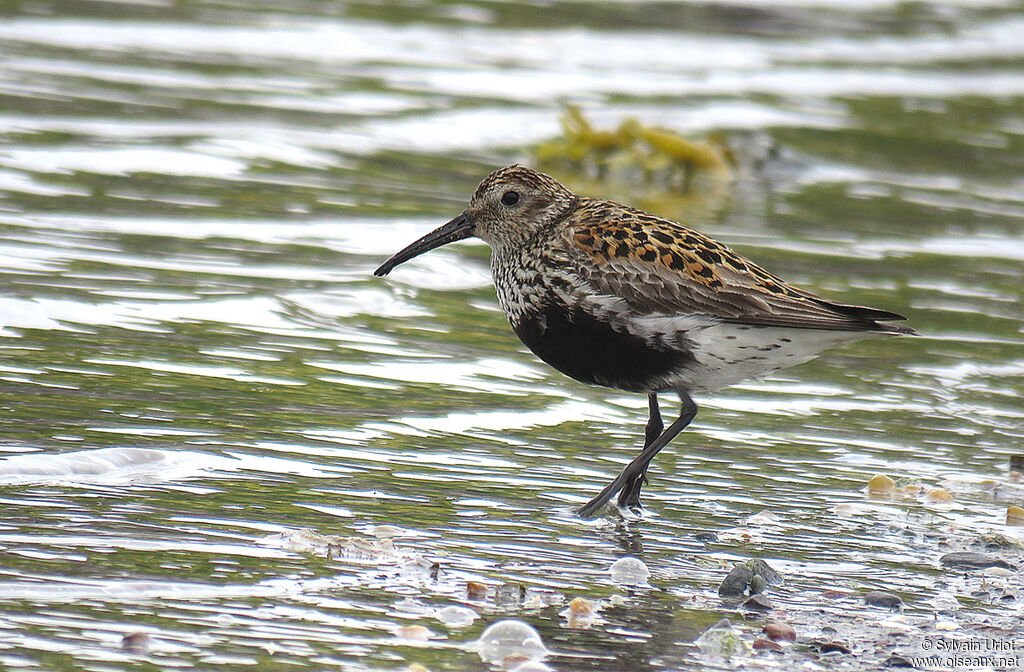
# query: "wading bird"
[[613, 296]]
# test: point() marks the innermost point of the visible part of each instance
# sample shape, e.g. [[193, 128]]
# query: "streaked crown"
[[513, 204]]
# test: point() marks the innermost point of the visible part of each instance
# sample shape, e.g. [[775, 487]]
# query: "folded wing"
[[660, 267]]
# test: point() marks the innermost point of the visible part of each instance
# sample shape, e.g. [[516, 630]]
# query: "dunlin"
[[613, 296]]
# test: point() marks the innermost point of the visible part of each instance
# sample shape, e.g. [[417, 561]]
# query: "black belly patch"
[[589, 350]]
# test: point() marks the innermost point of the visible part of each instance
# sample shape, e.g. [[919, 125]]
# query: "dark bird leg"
[[654, 423], [629, 496], [632, 476]]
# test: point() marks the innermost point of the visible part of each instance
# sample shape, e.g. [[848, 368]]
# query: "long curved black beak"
[[457, 229]]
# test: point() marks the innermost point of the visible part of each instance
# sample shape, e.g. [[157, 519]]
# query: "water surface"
[[196, 362]]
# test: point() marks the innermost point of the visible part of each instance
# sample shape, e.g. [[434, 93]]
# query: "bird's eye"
[[510, 198]]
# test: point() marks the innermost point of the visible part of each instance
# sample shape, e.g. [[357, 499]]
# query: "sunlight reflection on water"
[[193, 354]]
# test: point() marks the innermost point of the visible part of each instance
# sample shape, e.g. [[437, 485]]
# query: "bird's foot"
[[590, 509], [629, 496], [627, 485]]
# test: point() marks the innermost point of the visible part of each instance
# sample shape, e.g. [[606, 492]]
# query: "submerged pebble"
[[512, 593], [414, 633], [334, 547], [880, 598], [780, 632], [938, 496], [1014, 515], [581, 607], [455, 616], [881, 484], [758, 603], [135, 642], [828, 646], [388, 531], [996, 571], [897, 624], [509, 638], [992, 540], [476, 591], [581, 613], [897, 661], [534, 602], [761, 644], [970, 560], [721, 640], [629, 571]]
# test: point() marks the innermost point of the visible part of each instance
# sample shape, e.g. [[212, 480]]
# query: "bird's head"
[[510, 206]]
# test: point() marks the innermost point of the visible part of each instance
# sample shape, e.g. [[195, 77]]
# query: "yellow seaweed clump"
[[655, 155]]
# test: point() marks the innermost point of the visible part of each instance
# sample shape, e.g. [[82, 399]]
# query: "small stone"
[[897, 624], [834, 594], [938, 496], [897, 661], [754, 574], [780, 632], [844, 509], [534, 602], [135, 642], [388, 531], [735, 583], [581, 607], [758, 603], [617, 601], [415, 633], [969, 560], [476, 591], [1017, 462], [761, 518], [416, 667], [410, 605], [992, 540], [880, 484], [880, 598], [765, 571], [996, 571], [721, 640], [709, 537], [766, 645], [1014, 515], [830, 647], [455, 616]]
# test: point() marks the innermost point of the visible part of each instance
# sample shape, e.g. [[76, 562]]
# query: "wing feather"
[[661, 267]]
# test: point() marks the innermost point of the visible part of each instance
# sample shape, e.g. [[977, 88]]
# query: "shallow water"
[[195, 362]]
